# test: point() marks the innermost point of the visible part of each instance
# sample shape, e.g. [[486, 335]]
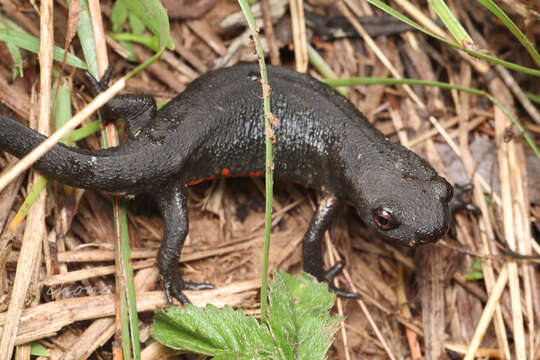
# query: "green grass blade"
[[392, 81], [452, 24], [34, 192], [322, 67], [533, 97], [6, 23], [17, 60], [492, 59], [499, 13], [31, 43], [130, 325], [85, 131], [85, 33], [62, 112]]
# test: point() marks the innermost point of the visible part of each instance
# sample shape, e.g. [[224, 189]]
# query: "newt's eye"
[[383, 219]]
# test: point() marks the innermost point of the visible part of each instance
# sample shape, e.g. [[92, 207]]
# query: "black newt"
[[323, 141]]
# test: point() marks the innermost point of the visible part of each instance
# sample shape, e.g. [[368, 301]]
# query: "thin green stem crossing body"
[[269, 180]]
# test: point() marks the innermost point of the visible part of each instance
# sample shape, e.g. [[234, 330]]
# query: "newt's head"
[[403, 198]]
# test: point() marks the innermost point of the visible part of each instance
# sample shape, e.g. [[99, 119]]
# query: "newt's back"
[[219, 123]]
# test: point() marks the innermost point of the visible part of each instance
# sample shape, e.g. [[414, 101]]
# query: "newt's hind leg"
[[137, 109], [312, 244], [172, 202]]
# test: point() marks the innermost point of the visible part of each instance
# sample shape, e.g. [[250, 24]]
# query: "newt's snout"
[[423, 237], [440, 219]]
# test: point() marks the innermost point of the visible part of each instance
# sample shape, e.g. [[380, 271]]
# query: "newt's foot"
[[174, 286], [99, 86], [459, 203], [329, 279]]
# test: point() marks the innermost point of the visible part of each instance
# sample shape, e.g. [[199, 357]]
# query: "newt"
[[215, 128]]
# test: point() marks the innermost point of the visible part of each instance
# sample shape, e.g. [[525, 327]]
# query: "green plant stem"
[[533, 97], [151, 42], [322, 67], [269, 181]]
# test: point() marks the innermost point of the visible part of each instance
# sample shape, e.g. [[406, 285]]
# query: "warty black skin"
[[217, 123]]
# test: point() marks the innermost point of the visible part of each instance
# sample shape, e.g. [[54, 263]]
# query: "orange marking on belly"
[[256, 173], [227, 173], [198, 181]]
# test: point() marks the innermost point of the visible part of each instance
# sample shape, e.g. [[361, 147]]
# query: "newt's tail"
[[92, 169]]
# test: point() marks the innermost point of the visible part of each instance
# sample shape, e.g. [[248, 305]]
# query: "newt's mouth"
[[423, 237]]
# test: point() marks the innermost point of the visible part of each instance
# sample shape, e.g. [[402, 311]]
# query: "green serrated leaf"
[[314, 326], [307, 292], [300, 326], [225, 333], [37, 349], [153, 15], [31, 43], [282, 318]]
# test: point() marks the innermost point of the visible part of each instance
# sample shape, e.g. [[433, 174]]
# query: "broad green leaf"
[[476, 272], [136, 24], [118, 16], [153, 15], [31, 43], [37, 349]]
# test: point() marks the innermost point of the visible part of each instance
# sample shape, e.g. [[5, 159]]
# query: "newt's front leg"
[[172, 202], [312, 244]]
